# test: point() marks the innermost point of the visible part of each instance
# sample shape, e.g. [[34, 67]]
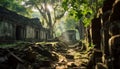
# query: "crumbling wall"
[[15, 27], [109, 16]]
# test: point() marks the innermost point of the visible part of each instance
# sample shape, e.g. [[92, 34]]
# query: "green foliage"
[[66, 23], [14, 5], [70, 23], [85, 9]]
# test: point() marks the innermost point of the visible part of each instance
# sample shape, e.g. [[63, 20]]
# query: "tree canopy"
[[50, 10], [15, 5], [82, 9], [53, 10]]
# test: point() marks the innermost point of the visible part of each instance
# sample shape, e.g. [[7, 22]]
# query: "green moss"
[[7, 45]]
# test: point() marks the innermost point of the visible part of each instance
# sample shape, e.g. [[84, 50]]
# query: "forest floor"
[[73, 60], [42, 55]]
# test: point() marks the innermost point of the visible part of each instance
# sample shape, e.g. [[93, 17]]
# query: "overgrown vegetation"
[[16, 6], [82, 9]]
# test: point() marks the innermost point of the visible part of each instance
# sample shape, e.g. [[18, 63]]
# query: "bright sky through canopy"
[[50, 8]]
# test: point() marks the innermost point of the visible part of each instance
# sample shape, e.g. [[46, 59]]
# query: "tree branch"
[[42, 13]]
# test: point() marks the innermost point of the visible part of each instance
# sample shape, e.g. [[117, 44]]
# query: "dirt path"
[[72, 60]]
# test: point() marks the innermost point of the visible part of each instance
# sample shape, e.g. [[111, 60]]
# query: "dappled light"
[[59, 34]]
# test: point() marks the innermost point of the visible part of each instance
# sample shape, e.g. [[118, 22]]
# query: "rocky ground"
[[52, 55]]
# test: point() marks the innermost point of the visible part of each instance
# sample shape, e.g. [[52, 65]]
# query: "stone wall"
[[15, 27], [6, 31]]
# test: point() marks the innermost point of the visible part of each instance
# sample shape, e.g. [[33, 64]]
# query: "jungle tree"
[[50, 10]]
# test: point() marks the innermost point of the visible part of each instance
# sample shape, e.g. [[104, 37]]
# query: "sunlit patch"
[[22, 3], [50, 7], [34, 9], [64, 36]]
